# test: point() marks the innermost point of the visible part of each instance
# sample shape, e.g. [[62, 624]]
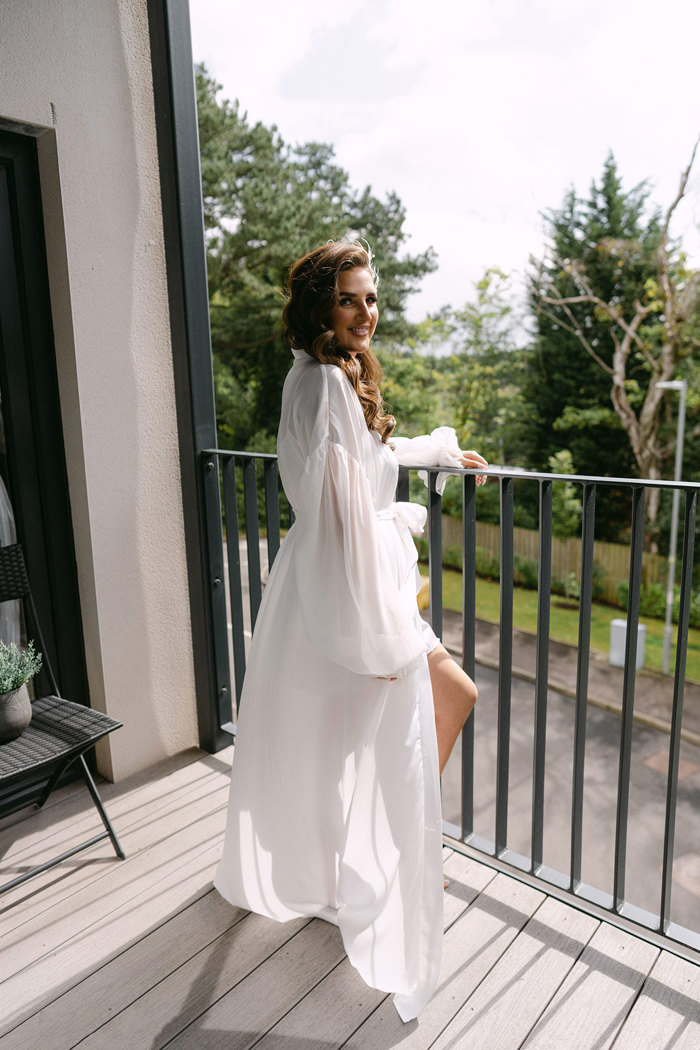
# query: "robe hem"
[[407, 1004]]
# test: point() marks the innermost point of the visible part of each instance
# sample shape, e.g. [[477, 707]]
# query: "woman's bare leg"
[[454, 696]]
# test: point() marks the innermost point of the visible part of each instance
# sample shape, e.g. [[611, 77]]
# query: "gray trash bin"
[[618, 636]]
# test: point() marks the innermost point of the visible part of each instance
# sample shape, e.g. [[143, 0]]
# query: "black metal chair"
[[59, 733]]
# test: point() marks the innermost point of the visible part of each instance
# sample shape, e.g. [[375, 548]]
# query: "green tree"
[[265, 204], [487, 370], [617, 311], [567, 389], [414, 390], [566, 499]]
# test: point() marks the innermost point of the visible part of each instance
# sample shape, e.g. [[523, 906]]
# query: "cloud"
[[479, 115]]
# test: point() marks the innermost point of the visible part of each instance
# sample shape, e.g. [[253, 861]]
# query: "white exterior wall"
[[83, 66]]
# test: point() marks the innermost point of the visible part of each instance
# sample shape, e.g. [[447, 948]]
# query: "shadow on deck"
[[143, 953]]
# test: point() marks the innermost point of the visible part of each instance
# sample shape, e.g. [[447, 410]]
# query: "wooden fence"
[[613, 558]]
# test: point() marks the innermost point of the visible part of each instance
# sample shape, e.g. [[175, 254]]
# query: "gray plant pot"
[[15, 713]]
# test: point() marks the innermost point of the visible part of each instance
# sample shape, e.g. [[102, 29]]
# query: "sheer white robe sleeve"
[[353, 609], [437, 449]]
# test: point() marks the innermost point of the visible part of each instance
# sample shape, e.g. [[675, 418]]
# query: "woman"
[[350, 706]]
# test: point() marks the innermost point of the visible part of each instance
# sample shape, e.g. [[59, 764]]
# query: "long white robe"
[[335, 800]]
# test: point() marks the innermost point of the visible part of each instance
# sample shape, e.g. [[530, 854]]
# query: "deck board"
[[518, 988], [341, 1003], [143, 952], [96, 999], [135, 813], [592, 1004], [472, 946], [667, 1013], [207, 977], [237, 1020], [69, 813], [184, 829]]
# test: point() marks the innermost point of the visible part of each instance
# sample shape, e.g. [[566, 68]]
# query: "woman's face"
[[354, 317]]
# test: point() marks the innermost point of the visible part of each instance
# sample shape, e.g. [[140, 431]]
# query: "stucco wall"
[[82, 68]]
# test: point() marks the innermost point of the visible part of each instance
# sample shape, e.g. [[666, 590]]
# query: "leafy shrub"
[[567, 586], [599, 575], [694, 613], [452, 496], [652, 599], [571, 586], [622, 594], [486, 565], [525, 574], [452, 557], [489, 503], [652, 602]]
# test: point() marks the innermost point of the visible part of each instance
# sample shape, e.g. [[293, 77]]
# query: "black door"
[[33, 467]]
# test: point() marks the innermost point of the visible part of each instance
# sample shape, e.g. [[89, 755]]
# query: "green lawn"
[[564, 620]]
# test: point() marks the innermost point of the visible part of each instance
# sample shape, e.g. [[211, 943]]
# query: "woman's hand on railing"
[[472, 461]]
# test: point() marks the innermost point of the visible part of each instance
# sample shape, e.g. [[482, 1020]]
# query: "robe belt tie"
[[412, 515], [409, 518]]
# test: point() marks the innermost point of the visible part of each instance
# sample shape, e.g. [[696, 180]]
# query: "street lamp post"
[[680, 385]]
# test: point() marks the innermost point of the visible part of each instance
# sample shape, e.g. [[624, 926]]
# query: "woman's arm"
[[349, 598], [437, 449]]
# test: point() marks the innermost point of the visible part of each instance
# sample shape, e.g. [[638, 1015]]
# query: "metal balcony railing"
[[234, 476]]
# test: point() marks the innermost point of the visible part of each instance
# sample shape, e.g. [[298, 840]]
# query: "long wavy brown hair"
[[312, 292]]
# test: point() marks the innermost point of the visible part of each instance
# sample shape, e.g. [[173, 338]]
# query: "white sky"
[[478, 113]]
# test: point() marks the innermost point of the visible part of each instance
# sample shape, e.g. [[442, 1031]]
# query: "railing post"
[[235, 588], [584, 643], [691, 507], [217, 591], [505, 663], [468, 643], [403, 487], [272, 510], [252, 532], [623, 782], [544, 587], [435, 554]]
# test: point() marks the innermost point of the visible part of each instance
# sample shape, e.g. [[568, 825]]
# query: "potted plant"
[[17, 666]]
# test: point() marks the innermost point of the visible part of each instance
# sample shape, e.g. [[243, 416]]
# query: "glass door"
[[32, 461], [9, 611]]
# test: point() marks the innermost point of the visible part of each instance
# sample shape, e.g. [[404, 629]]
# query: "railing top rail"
[[507, 472], [580, 479], [229, 452]]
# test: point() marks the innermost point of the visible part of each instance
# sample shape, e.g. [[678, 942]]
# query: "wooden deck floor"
[[143, 953]]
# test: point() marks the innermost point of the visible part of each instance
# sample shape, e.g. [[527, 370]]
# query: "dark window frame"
[[185, 253]]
